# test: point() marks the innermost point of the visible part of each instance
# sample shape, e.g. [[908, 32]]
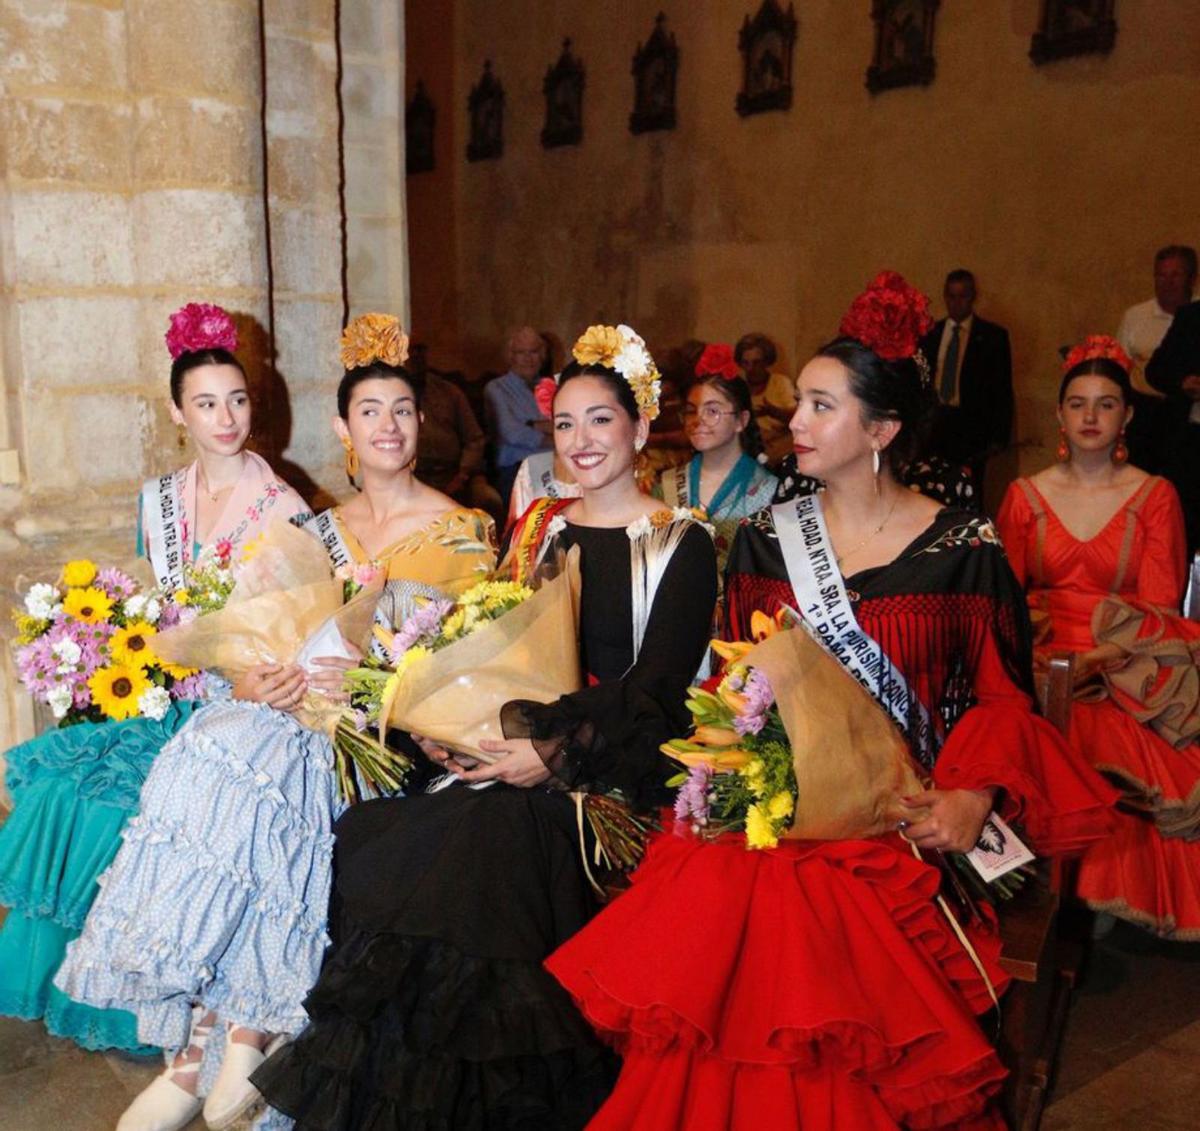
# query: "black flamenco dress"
[[817, 986], [433, 1011]]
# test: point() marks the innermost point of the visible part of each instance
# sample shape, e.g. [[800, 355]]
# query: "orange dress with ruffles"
[[817, 986], [1123, 586]]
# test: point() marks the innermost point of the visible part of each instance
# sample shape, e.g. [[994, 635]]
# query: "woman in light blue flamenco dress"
[[73, 789], [723, 479], [215, 906]]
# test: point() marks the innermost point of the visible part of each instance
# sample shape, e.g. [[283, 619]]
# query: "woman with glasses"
[[723, 479]]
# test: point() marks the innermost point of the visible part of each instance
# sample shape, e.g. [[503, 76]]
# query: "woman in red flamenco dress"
[[1099, 545], [817, 986]]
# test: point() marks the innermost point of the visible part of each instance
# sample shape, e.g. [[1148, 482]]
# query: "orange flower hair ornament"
[[1095, 346], [374, 337], [622, 350]]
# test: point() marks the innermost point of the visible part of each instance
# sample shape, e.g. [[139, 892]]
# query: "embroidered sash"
[[826, 611], [162, 513]]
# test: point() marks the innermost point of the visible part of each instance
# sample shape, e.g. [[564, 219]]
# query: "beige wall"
[[138, 172], [1054, 184]]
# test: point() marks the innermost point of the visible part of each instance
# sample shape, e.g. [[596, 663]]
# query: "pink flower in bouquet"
[[116, 583], [365, 573], [424, 622], [759, 700], [691, 802], [171, 614], [200, 326], [223, 551], [192, 687]]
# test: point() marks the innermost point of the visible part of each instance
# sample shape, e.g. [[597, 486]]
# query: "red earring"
[[1063, 452], [1120, 452]]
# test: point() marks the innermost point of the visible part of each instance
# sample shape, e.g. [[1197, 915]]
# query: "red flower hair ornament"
[[543, 393], [717, 361], [1094, 346], [890, 317], [200, 326]]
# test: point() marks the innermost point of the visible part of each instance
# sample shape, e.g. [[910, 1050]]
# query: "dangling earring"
[[351, 459], [1120, 452], [1063, 451], [182, 436], [875, 463]]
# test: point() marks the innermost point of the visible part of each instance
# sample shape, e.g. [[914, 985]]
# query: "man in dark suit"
[[971, 362], [1174, 370]]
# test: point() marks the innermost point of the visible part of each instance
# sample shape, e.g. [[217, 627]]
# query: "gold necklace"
[[886, 518]]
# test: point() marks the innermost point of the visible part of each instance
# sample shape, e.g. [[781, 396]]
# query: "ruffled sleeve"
[[607, 736], [1061, 803]]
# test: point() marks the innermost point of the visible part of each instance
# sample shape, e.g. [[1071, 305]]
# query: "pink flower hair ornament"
[[200, 326], [717, 361], [543, 393]]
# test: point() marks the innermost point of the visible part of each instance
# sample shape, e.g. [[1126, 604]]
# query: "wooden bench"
[[1041, 963]]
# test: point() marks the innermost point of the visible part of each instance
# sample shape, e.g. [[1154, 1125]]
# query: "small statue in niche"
[[486, 108], [563, 88], [903, 44], [655, 67], [767, 43], [1074, 27], [419, 118]]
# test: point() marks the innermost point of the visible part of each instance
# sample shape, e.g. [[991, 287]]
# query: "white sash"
[[162, 512], [675, 486], [826, 610], [324, 527]]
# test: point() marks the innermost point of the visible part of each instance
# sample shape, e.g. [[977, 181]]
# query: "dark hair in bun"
[[194, 359], [1098, 367], [889, 390], [620, 388]]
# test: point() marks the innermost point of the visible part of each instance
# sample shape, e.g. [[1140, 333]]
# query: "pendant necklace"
[[886, 518]]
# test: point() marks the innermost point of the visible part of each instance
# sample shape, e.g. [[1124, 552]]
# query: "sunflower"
[[175, 671], [91, 606], [131, 645], [117, 688], [79, 573]]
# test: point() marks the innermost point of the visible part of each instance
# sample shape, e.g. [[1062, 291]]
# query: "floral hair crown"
[[200, 326], [891, 317], [717, 361], [620, 349], [371, 338], [1096, 346]]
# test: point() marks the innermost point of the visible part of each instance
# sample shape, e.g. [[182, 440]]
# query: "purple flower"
[[116, 583], [691, 802], [424, 622], [190, 688], [759, 700]]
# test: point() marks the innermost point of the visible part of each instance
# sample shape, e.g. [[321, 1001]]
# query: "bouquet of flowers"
[[818, 761], [453, 665], [87, 647]]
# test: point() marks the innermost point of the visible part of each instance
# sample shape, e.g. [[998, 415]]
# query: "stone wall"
[[1054, 183], [141, 168]]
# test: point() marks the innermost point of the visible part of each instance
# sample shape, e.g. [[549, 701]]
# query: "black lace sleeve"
[[607, 736]]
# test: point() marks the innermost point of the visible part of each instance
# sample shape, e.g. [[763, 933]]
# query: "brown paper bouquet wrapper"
[[852, 764], [282, 596], [455, 695]]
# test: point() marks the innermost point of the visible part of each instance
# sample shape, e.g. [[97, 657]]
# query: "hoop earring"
[[875, 465], [182, 436], [1120, 452], [351, 459], [1063, 452]]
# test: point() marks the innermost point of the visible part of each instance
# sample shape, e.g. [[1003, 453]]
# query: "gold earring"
[[182, 436], [351, 459], [1063, 452]]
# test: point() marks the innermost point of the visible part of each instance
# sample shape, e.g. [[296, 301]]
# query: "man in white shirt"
[[1142, 329]]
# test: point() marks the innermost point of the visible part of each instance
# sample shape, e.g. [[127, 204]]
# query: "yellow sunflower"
[[599, 346], [92, 606], [174, 670], [79, 574], [131, 645], [117, 688]]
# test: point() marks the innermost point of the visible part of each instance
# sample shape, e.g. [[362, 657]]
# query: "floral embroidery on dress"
[[975, 532]]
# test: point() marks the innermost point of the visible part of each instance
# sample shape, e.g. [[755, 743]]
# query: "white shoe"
[[164, 1106], [232, 1093]]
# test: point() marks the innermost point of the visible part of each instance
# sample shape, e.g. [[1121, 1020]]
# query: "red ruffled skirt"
[[815, 986], [1138, 873]]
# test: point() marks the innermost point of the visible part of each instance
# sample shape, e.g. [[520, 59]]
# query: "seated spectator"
[[1143, 327], [515, 424], [773, 394], [971, 361], [451, 443]]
